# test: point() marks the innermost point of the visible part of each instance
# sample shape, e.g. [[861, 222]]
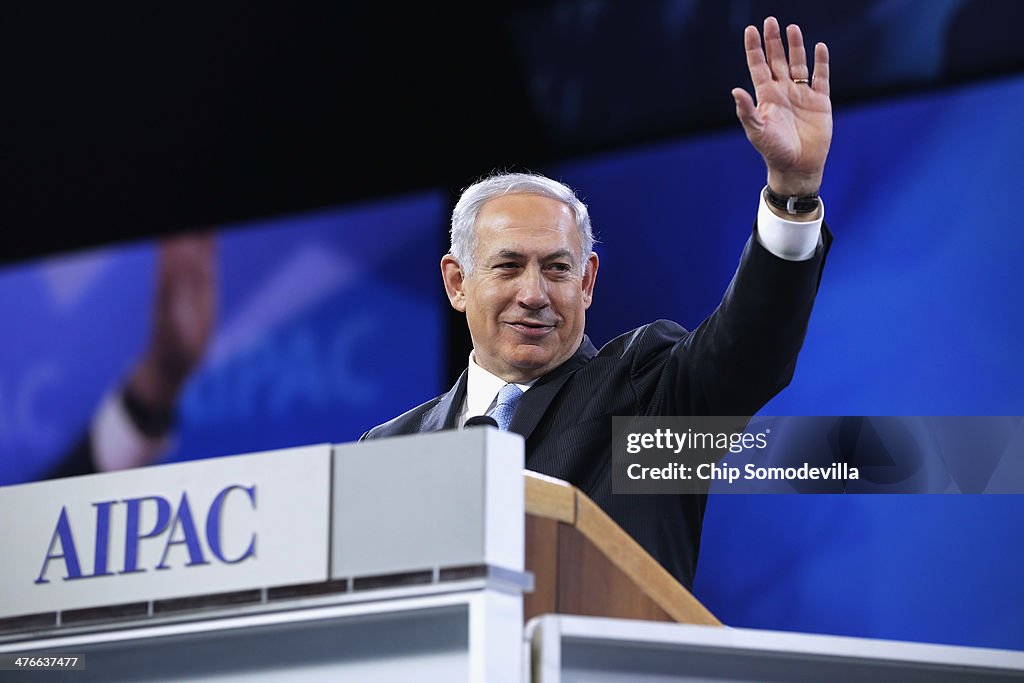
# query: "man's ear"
[[454, 282], [589, 279]]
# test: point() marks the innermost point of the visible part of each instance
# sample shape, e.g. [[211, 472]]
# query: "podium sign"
[[211, 526], [425, 501], [399, 559]]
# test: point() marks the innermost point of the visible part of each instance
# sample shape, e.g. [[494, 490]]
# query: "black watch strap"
[[152, 422], [793, 204]]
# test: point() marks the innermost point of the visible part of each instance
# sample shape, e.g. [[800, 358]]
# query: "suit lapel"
[[535, 402], [445, 414]]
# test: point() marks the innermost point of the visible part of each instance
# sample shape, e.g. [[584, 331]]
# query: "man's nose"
[[533, 290]]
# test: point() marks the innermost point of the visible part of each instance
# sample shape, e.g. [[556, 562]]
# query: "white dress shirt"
[[482, 391]]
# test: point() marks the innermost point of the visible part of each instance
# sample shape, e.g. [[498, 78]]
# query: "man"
[[522, 270]]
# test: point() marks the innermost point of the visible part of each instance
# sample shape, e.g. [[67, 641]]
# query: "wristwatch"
[[151, 421], [794, 204]]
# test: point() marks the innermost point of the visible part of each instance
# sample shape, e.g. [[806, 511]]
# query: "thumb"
[[746, 112]]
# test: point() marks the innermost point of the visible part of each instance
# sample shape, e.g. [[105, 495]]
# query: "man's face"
[[526, 300]]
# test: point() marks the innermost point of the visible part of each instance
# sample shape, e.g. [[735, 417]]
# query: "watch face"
[[801, 204]]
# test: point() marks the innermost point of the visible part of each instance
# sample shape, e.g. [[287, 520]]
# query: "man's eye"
[[510, 265], [560, 267]]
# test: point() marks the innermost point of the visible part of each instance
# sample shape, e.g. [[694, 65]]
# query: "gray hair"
[[479, 193]]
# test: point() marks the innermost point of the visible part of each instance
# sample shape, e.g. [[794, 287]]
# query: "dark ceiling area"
[[125, 120]]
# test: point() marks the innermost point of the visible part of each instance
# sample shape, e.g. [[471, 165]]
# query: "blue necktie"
[[505, 405]]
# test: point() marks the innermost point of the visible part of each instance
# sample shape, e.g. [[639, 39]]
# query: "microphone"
[[481, 421]]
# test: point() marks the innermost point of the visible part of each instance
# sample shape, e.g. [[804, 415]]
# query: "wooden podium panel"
[[585, 564]]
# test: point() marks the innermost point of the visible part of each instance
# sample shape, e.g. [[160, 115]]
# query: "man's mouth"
[[530, 328]]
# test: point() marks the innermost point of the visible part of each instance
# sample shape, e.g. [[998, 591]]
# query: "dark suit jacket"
[[732, 364]]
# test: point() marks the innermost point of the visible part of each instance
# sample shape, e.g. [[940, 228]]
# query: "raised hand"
[[791, 125], [184, 312]]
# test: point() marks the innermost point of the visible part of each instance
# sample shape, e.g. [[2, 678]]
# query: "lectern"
[[585, 564], [405, 559], [390, 560]]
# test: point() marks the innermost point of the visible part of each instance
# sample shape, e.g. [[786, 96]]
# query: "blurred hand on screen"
[[184, 311]]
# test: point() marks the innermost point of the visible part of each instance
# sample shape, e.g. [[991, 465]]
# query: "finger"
[[746, 112], [774, 50], [820, 83], [759, 71], [797, 53]]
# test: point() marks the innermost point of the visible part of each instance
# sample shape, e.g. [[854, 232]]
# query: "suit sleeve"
[[741, 355], [78, 460]]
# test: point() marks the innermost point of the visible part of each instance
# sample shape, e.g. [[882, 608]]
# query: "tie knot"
[[505, 405]]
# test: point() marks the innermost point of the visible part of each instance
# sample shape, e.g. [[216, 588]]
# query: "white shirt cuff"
[[789, 240], [117, 444]]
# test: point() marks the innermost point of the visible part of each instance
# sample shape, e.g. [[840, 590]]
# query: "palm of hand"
[[795, 129]]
